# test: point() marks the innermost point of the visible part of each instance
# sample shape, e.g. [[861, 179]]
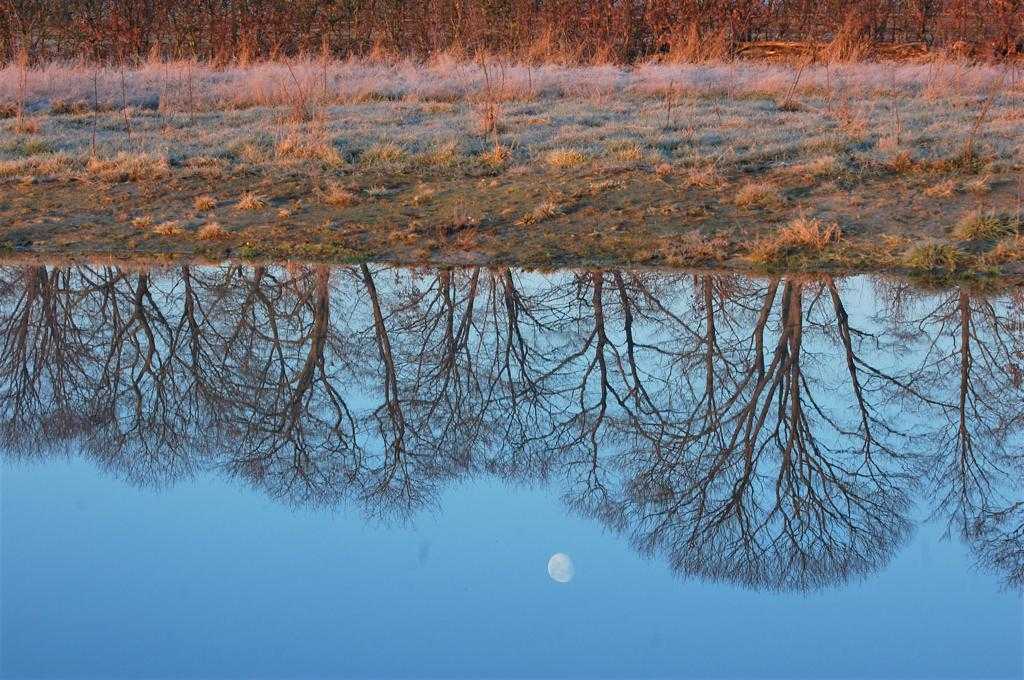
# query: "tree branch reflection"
[[773, 433]]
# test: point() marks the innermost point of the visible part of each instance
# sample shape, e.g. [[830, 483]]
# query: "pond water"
[[367, 471]]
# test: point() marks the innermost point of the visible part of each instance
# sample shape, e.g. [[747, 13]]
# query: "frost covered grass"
[[701, 119], [579, 163], [185, 86]]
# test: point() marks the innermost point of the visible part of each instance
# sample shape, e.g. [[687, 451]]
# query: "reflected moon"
[[560, 568]]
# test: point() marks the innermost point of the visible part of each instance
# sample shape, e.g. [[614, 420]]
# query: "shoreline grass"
[[661, 164], [305, 85]]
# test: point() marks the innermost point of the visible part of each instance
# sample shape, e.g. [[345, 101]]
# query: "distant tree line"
[[615, 31]]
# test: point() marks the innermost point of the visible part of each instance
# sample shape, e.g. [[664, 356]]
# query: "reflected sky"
[[363, 471]]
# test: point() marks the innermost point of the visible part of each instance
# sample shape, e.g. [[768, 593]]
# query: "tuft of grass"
[[423, 194], [61, 107], [544, 211], [338, 196], [488, 118], [703, 177], [204, 203], [212, 231], [443, 155], [663, 169], [26, 126], [693, 250], [386, 153], [979, 186], [565, 158], [377, 191], [37, 166], [943, 189], [169, 228], [299, 147], [253, 152], [985, 226], [932, 257], [142, 222], [28, 146], [250, 200], [126, 167], [802, 236], [497, 157], [1007, 250], [626, 151], [823, 166], [758, 195], [902, 163]]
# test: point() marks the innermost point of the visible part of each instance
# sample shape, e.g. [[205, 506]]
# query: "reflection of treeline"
[[756, 431], [573, 30]]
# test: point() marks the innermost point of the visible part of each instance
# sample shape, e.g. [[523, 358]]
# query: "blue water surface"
[[209, 580]]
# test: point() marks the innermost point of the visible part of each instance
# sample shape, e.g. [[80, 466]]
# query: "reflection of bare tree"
[[997, 537], [761, 432], [762, 482], [973, 356], [292, 430]]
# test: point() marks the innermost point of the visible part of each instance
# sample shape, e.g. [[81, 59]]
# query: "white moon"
[[560, 568]]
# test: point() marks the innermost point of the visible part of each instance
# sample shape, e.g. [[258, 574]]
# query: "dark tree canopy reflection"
[[776, 433]]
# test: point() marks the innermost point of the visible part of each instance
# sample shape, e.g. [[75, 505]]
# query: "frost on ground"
[[435, 153]]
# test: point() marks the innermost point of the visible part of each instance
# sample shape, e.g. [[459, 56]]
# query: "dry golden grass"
[[128, 168], [338, 196], [1007, 250], [823, 166], [26, 126], [692, 250], [802, 236], [544, 211], [902, 162], [61, 107], [142, 222], [37, 166], [758, 195], [443, 155], [169, 228], [626, 151], [253, 153], [703, 177], [250, 200], [930, 257], [204, 203], [980, 185], [488, 119], [565, 158], [212, 231], [308, 147], [423, 194], [385, 153], [663, 169], [598, 187], [986, 226], [943, 189], [497, 157]]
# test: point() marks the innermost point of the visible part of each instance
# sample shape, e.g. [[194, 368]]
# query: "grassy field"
[[868, 167]]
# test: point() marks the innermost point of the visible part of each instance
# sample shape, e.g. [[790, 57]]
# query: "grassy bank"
[[871, 166]]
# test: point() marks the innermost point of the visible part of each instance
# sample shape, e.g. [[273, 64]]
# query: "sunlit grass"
[[801, 236], [251, 200]]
